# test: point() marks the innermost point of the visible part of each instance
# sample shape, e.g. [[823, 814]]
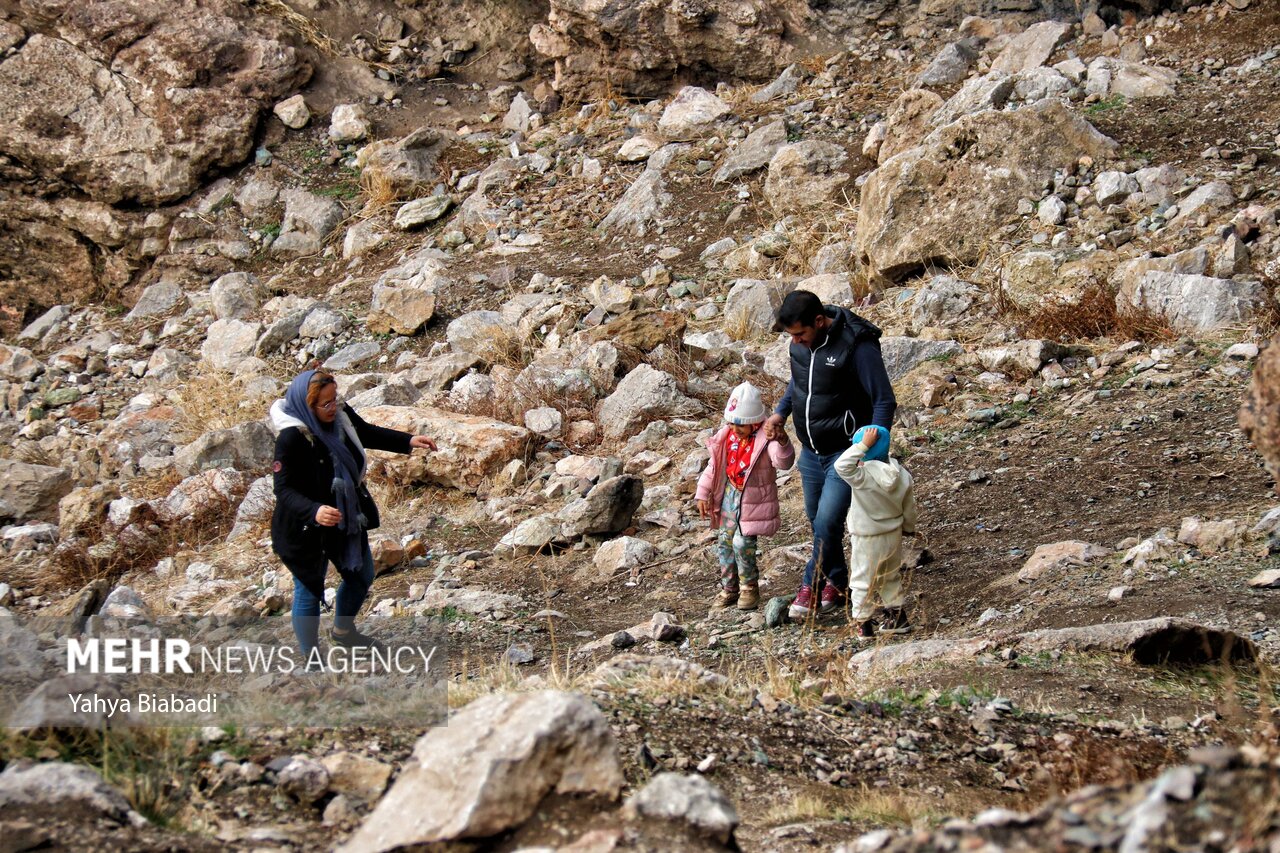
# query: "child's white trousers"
[[875, 569]]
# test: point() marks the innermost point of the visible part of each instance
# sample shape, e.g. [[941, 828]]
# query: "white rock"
[[692, 113], [293, 112], [348, 123]]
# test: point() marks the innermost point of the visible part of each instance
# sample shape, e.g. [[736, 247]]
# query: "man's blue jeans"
[[352, 592], [826, 503]]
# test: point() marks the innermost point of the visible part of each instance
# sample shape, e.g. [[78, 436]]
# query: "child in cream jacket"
[[883, 508]]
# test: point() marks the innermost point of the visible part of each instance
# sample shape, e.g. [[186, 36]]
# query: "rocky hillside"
[[551, 236]]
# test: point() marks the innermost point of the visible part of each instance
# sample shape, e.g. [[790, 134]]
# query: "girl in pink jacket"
[[738, 492]]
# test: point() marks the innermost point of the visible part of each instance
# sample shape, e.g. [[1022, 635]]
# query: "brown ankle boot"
[[749, 597], [726, 598]]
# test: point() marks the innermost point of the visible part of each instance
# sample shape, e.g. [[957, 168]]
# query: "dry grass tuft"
[[1093, 315], [378, 190], [304, 26], [211, 401]]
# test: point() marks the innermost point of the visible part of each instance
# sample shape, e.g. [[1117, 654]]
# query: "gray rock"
[[901, 354], [404, 297], [1052, 211], [473, 332], [518, 114], [1114, 187], [753, 153], [348, 123], [31, 492], [645, 394], [1037, 83], [353, 355], [775, 611], [752, 303], [690, 798], [487, 771], [625, 552], [45, 323], [942, 301], [19, 648], [165, 363], [1108, 77], [246, 447], [1211, 197], [831, 288], [303, 778], [995, 159], [1194, 303], [18, 364], [255, 510], [532, 535], [234, 296], [293, 112], [280, 333], [322, 322], [1031, 48], [158, 300], [308, 221], [520, 654], [407, 165], [693, 113], [988, 92], [951, 64], [363, 237], [229, 342], [25, 786], [419, 212], [645, 200], [784, 84], [544, 421], [805, 175], [606, 510]]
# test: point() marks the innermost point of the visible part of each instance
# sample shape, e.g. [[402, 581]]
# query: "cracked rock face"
[[639, 47], [137, 101]]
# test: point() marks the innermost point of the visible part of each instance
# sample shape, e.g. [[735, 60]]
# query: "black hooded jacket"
[[839, 385]]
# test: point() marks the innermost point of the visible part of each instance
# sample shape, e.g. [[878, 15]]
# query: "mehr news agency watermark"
[[170, 681]]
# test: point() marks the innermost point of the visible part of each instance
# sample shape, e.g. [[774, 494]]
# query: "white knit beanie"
[[745, 406]]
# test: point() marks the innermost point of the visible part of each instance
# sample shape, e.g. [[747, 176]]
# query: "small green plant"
[[1115, 102]]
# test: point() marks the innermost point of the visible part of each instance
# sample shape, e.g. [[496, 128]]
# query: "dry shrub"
[[1093, 315], [304, 26], [506, 347], [378, 190], [103, 554], [211, 401]]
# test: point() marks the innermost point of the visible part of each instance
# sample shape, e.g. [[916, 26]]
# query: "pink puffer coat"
[[760, 516]]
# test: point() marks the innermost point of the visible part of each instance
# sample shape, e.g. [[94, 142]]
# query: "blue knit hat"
[[879, 451]]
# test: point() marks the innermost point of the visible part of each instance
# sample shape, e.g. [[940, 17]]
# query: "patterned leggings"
[[736, 553]]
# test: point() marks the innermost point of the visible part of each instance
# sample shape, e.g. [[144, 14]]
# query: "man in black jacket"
[[838, 384]]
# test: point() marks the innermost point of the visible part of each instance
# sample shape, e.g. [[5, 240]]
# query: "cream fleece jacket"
[[882, 496]]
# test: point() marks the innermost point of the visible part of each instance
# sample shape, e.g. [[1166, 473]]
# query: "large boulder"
[[487, 771], [75, 787], [639, 48], [754, 152], [605, 510], [137, 101], [143, 431], [405, 166], [908, 122], [472, 450], [1108, 77], [246, 447], [1031, 48], [31, 492], [939, 202], [805, 175], [645, 201], [1194, 303], [229, 342], [688, 798], [308, 221], [750, 307], [645, 394], [404, 297], [693, 113], [902, 354]]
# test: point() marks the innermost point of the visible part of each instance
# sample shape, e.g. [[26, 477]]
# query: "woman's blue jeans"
[[826, 503], [352, 592]]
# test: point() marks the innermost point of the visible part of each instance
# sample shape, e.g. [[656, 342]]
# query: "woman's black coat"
[[303, 482]]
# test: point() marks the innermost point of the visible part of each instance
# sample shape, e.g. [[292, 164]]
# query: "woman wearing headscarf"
[[323, 509]]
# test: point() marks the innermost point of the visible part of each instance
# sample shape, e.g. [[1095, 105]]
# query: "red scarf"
[[737, 458]]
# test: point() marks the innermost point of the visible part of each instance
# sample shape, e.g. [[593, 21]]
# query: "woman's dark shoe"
[[353, 639]]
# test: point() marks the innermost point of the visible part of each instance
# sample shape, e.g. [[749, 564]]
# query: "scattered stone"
[[487, 771], [689, 798], [348, 123], [693, 113], [293, 112]]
